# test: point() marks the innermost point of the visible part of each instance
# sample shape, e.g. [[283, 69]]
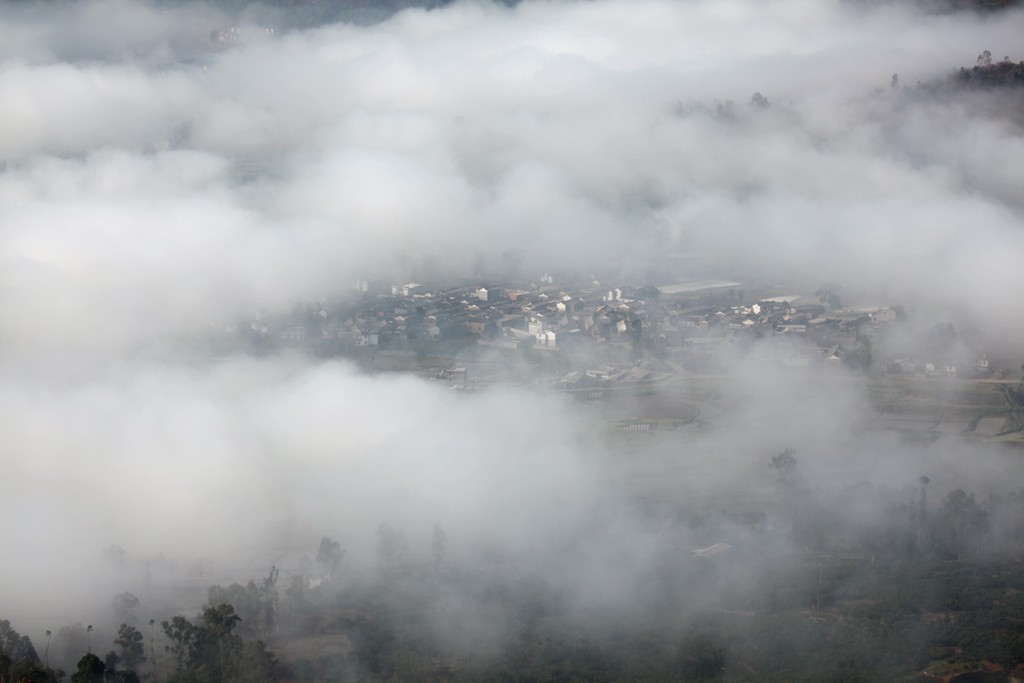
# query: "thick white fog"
[[155, 187]]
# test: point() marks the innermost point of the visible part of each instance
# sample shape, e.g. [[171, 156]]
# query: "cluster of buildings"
[[965, 366], [541, 315], [795, 334], [701, 332], [663, 329]]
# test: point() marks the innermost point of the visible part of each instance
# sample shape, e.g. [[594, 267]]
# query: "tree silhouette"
[[256, 664], [829, 294], [152, 648], [758, 101], [218, 623], [329, 554], [133, 646], [182, 634], [124, 608], [15, 645], [268, 600], [90, 670]]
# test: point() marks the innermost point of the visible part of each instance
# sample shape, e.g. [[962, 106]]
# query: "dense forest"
[[871, 584], [839, 621], [866, 583], [988, 73]]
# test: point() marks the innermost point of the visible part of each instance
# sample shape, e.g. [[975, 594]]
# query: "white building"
[[405, 290], [365, 338]]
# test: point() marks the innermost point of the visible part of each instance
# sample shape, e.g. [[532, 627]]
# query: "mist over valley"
[[548, 340]]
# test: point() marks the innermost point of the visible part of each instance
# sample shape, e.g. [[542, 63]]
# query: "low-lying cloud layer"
[[580, 132], [156, 185]]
